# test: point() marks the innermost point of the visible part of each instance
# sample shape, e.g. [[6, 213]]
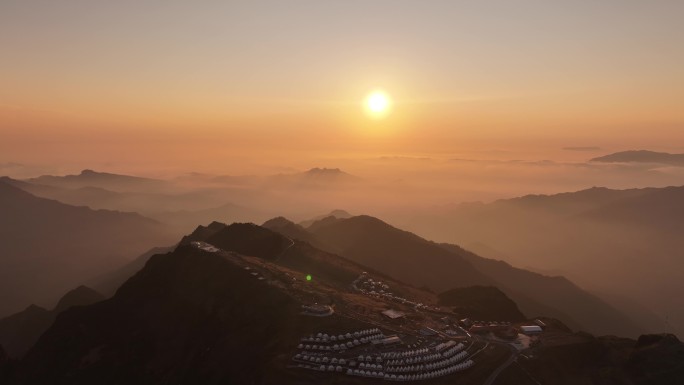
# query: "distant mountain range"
[[186, 201], [624, 244], [642, 156], [313, 177], [103, 180], [59, 245], [356, 239]]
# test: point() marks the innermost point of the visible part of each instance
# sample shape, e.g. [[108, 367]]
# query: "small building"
[[318, 311], [531, 329], [540, 323], [391, 340], [393, 314], [466, 323], [427, 331]]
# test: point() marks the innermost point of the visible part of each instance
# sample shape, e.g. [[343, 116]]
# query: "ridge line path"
[[492, 377]]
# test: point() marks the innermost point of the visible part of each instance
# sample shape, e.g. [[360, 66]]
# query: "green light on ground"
[[308, 277]]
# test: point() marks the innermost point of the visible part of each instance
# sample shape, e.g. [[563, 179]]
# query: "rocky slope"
[[20, 331], [60, 246]]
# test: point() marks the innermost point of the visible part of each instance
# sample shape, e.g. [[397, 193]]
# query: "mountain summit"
[[642, 156]]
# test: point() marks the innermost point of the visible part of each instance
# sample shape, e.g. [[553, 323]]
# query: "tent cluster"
[[323, 352], [325, 338], [380, 289], [325, 342], [429, 366], [420, 355], [411, 377], [322, 368], [429, 375]]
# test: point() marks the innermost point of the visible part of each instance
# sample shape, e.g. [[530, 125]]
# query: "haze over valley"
[[306, 192]]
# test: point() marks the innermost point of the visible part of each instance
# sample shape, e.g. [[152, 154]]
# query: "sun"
[[377, 104]]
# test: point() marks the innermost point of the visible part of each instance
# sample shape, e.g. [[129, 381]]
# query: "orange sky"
[[177, 83]]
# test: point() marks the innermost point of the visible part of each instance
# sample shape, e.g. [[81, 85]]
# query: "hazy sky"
[[271, 82]]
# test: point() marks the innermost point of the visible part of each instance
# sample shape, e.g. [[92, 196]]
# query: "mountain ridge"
[[642, 156], [535, 293], [59, 245], [20, 331]]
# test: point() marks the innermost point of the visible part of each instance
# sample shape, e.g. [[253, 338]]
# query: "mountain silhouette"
[[405, 256], [335, 213], [184, 318], [109, 282], [605, 240], [59, 245], [108, 181], [244, 238], [374, 243], [194, 316], [642, 156], [481, 303], [20, 331]]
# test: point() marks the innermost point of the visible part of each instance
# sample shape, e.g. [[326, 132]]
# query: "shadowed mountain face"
[[657, 359], [339, 214], [108, 283], [291, 252], [624, 244], [403, 255], [187, 317], [60, 245], [292, 230], [481, 303], [553, 296], [20, 331], [412, 259], [584, 359], [642, 156], [192, 316], [244, 238]]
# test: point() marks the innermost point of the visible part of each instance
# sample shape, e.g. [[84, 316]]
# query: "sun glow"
[[377, 104]]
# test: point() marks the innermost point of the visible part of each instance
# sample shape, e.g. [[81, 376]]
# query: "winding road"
[[492, 377]]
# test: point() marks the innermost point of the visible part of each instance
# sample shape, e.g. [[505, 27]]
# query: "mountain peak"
[[642, 156], [335, 214], [331, 171], [339, 213], [277, 222], [243, 238], [81, 295], [481, 302]]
